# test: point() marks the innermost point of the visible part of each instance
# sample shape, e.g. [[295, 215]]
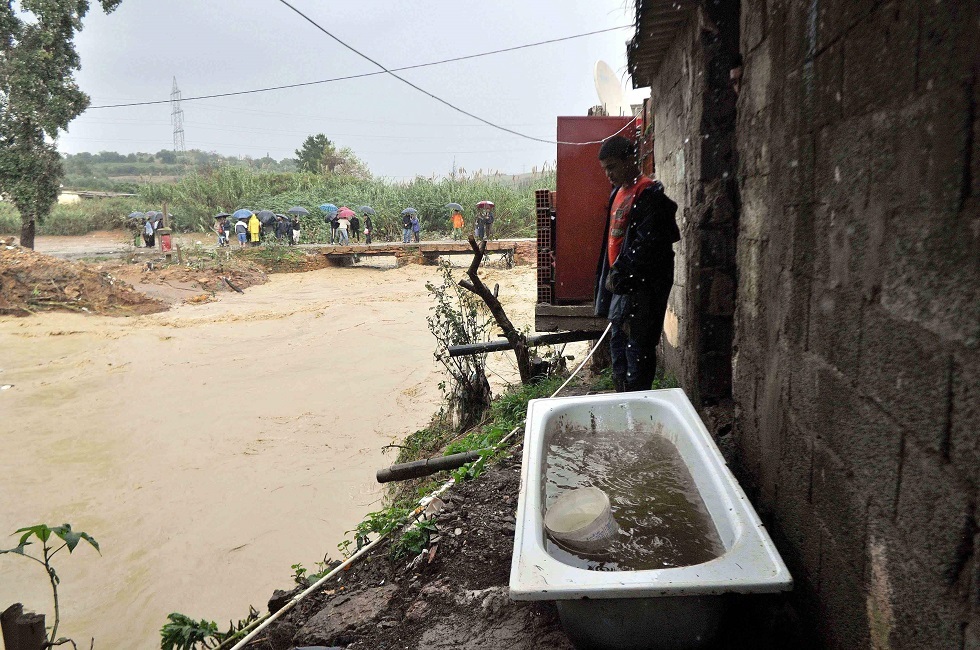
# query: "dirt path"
[[210, 447]]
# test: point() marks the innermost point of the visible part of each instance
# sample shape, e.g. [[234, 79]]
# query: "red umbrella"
[[345, 213], [485, 204]]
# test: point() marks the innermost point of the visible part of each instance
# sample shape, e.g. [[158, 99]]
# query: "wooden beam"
[[532, 341]]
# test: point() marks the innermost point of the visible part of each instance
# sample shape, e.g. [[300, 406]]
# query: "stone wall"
[[857, 371], [694, 126]]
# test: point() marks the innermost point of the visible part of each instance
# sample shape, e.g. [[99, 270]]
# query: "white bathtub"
[[662, 608]]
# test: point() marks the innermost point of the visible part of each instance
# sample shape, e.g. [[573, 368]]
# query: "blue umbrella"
[[455, 206], [367, 209], [136, 215], [409, 211], [329, 207], [242, 214]]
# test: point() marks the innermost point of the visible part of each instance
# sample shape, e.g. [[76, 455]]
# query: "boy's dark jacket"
[[646, 260]]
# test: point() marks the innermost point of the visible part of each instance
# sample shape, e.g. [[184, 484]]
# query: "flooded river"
[[210, 447]]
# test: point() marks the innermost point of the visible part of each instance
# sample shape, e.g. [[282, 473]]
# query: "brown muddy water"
[[210, 447], [662, 519]]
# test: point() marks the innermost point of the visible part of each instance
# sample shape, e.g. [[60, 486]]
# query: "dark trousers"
[[633, 342]]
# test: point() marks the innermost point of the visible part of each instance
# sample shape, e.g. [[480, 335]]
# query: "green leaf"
[[66, 534], [19, 549], [41, 531]]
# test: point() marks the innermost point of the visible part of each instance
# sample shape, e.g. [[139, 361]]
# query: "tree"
[[351, 165], [167, 157], [310, 155], [38, 97]]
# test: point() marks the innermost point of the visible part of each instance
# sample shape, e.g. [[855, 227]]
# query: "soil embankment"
[[451, 596]]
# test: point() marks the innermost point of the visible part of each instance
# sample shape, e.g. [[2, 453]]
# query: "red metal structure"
[[581, 203]]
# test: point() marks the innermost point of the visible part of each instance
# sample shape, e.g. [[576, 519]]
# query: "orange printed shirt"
[[457, 220], [619, 214]]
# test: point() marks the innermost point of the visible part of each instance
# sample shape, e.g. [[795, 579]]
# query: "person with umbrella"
[[484, 211], [407, 225], [133, 223], [343, 225], [254, 230], [355, 227], [416, 227], [148, 231], [368, 223], [457, 219], [241, 229], [221, 228], [295, 213], [282, 228], [479, 226]]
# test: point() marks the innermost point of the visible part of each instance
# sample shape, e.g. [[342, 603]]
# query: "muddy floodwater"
[[662, 519], [210, 447]]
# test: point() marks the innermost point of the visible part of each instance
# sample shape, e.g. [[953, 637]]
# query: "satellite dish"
[[610, 91]]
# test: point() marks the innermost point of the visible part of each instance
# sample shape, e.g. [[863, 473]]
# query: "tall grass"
[[77, 218], [196, 199]]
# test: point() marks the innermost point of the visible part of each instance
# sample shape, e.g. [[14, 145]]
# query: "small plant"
[[414, 540], [181, 632], [184, 633], [299, 575], [459, 317], [70, 539]]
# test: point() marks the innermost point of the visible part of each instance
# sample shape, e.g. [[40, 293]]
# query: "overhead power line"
[[365, 74], [440, 99]]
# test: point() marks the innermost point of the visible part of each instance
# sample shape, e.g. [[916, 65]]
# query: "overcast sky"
[[219, 46]]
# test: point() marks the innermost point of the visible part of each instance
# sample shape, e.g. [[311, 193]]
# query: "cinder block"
[[771, 399], [906, 371], [868, 441], [803, 220], [754, 144], [721, 294], [841, 173], [796, 315], [879, 59], [834, 330], [934, 515], [718, 247], [927, 615], [835, 18], [753, 25], [931, 272], [849, 245], [947, 42], [808, 387], [840, 506], [754, 95], [844, 622], [749, 282], [795, 28], [754, 219], [964, 444], [793, 508], [827, 88], [932, 150], [971, 635]]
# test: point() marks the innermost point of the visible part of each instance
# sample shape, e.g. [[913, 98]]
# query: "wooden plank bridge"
[[427, 252]]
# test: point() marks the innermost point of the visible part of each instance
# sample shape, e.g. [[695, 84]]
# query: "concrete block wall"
[[857, 366], [677, 101], [694, 128]]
